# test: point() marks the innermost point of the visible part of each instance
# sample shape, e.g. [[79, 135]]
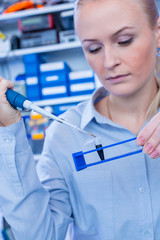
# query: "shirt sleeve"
[[33, 211]]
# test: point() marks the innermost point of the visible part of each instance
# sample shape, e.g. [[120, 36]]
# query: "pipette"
[[19, 101]]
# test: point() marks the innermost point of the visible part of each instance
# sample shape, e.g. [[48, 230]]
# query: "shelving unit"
[[70, 52], [9, 24], [56, 49], [38, 11], [59, 51], [64, 100], [41, 49], [13, 17]]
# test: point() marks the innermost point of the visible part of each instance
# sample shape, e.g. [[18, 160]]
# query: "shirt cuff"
[[13, 138]]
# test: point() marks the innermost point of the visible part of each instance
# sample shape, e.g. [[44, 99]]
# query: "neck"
[[133, 105], [128, 111]]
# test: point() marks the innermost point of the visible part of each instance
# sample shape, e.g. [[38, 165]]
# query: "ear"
[[158, 33]]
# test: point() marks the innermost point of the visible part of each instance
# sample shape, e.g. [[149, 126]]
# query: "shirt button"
[[8, 139], [141, 189], [147, 234]]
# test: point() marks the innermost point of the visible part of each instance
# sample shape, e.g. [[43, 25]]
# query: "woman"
[[110, 201]]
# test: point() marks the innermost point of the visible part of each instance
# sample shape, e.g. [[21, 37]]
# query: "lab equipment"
[[37, 125], [20, 102], [81, 164]]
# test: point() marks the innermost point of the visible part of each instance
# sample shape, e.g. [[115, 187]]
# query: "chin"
[[121, 91]]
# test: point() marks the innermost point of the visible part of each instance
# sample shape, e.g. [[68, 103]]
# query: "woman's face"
[[118, 43]]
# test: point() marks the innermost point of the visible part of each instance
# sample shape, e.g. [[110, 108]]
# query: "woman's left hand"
[[149, 137]]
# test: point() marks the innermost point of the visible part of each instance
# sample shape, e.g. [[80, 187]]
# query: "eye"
[[125, 42], [94, 50]]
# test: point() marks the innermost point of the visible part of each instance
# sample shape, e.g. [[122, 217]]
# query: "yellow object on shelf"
[[2, 36], [37, 136], [35, 116]]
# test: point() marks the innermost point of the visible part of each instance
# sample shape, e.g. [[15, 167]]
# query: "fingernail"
[[141, 140], [148, 148], [154, 154]]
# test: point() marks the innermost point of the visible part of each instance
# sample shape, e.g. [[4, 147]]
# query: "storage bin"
[[31, 64], [81, 82], [33, 88], [54, 91], [53, 79]]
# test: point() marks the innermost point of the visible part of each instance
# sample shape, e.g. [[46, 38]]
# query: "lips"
[[117, 77]]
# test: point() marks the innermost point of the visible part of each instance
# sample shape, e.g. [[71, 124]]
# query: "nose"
[[111, 58]]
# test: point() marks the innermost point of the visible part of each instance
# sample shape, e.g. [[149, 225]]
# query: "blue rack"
[[80, 162]]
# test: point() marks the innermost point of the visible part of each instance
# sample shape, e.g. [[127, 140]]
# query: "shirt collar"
[[89, 110]]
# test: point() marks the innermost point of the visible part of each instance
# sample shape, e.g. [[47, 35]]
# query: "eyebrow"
[[114, 34], [121, 30]]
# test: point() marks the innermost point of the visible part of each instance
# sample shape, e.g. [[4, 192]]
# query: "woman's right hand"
[[8, 115]]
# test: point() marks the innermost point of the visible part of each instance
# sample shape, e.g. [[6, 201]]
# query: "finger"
[[4, 85], [1, 78], [153, 142], [7, 83], [156, 152], [148, 130]]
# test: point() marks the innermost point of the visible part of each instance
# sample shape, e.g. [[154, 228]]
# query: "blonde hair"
[[151, 11]]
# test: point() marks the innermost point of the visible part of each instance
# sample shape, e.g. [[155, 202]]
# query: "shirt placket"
[[143, 190]]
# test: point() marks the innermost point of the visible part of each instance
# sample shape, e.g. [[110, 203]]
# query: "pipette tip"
[[91, 134]]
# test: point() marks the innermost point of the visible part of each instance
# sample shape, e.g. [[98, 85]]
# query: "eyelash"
[[94, 50], [123, 43], [127, 42]]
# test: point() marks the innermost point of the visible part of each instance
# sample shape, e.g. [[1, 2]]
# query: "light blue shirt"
[[117, 200]]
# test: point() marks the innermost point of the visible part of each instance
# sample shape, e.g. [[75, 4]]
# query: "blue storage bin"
[[33, 93], [52, 79], [54, 67], [31, 68], [31, 64], [30, 58], [81, 82], [59, 109], [81, 88], [54, 92], [32, 88]]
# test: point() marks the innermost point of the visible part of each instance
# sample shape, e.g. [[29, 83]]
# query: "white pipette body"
[[30, 106]]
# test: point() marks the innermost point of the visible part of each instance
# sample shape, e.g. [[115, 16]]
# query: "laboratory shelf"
[[64, 100], [37, 11], [41, 49]]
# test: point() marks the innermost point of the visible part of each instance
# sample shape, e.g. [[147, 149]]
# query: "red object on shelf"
[[36, 23], [22, 6]]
